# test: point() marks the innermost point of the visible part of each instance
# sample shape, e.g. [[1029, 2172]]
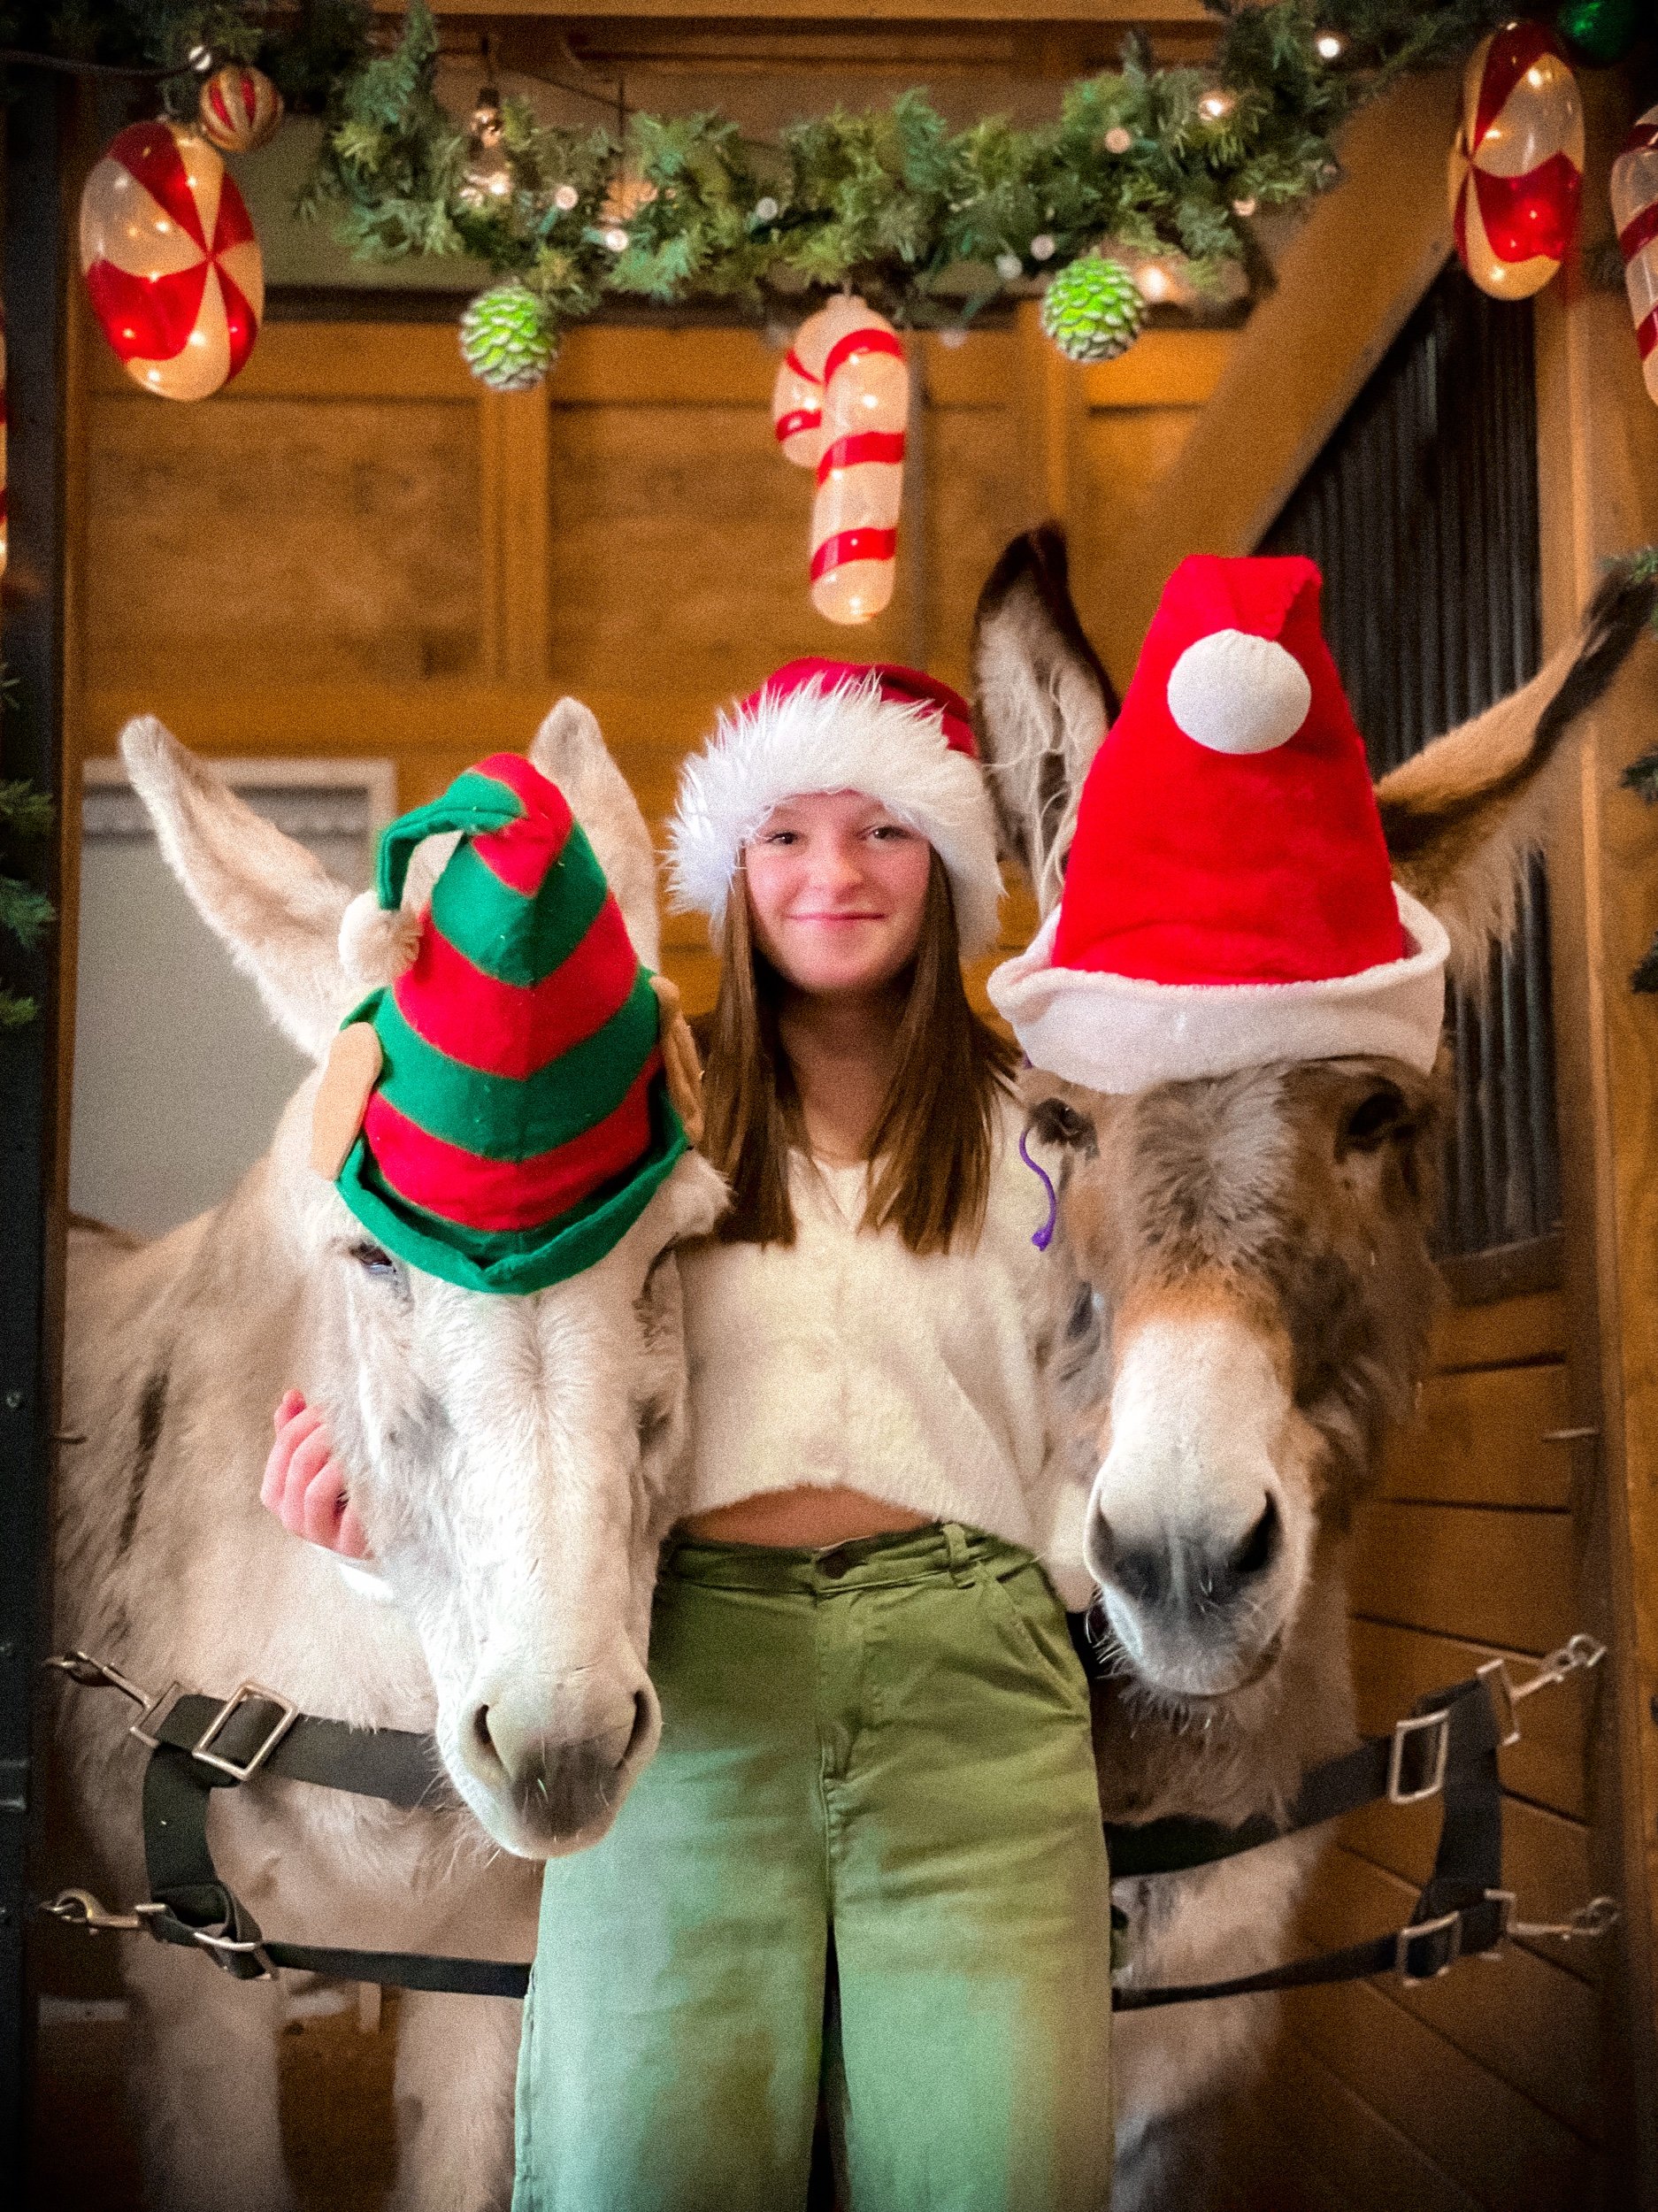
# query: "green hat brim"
[[512, 1263]]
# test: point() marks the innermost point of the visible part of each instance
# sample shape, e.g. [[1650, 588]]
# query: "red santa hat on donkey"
[[895, 733], [1228, 900]]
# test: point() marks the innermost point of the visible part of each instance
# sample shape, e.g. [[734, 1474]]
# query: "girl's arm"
[[305, 1486]]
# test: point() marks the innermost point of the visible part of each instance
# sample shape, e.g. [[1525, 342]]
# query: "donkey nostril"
[[1260, 1547], [480, 1731], [1143, 1577]]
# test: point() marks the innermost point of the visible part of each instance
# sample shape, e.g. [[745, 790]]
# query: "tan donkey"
[[1246, 1163]]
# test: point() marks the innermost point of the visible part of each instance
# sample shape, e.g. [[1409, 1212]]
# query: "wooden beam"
[[1353, 273], [1598, 480], [1129, 13]]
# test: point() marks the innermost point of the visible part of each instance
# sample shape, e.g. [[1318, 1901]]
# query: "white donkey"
[[515, 1458]]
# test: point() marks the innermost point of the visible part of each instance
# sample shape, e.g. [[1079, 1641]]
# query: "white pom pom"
[[377, 944], [1237, 693]]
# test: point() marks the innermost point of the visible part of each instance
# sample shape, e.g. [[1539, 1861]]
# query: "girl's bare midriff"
[[803, 1518]]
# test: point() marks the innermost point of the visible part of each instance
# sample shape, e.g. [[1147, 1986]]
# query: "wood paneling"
[[1516, 1331], [1494, 1577], [1482, 2134], [1478, 1439], [282, 540]]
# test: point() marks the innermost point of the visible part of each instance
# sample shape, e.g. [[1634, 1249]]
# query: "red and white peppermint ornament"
[[1635, 212], [860, 469], [1516, 167], [239, 108], [797, 395], [173, 266]]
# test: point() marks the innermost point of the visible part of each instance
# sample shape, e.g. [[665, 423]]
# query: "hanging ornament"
[[239, 108], [628, 191], [797, 393], [1635, 212], [860, 470], [171, 264], [1516, 167], [489, 179], [508, 338], [1601, 31], [1093, 310]]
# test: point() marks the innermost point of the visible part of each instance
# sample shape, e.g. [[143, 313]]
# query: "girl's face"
[[837, 888]]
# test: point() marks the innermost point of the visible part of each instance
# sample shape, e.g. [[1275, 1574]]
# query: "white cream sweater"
[[846, 1359]]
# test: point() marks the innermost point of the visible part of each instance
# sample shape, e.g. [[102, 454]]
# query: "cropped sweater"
[[846, 1359]]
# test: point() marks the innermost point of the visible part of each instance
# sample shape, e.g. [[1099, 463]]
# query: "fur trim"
[[847, 738], [377, 944], [1119, 1034]]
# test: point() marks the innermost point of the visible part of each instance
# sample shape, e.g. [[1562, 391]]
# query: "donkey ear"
[[570, 748], [1042, 701], [1461, 816], [272, 902]]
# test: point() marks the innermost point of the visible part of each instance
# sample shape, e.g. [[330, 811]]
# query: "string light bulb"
[[1330, 45], [1216, 105], [1153, 281], [489, 164]]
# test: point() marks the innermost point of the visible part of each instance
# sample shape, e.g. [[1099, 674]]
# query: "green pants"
[[868, 1857]]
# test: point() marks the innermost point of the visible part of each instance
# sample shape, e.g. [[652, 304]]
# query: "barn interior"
[[358, 569]]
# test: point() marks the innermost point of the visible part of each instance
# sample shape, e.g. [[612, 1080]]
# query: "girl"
[[868, 1853]]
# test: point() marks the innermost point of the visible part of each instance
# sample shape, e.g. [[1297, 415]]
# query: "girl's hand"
[[305, 1487]]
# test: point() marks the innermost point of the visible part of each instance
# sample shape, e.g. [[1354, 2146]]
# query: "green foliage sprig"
[[25, 912], [1641, 776]]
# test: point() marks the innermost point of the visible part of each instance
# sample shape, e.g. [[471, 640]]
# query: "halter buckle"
[[1436, 1754], [1404, 1964], [244, 1693]]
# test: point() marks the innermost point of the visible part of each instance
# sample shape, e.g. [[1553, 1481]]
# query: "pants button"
[[833, 1563]]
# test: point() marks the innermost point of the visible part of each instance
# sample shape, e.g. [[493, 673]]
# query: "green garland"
[[929, 223], [926, 222], [26, 913]]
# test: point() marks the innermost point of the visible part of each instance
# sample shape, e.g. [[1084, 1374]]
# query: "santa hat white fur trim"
[[845, 737], [1119, 1033]]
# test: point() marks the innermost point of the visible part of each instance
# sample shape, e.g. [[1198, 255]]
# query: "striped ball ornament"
[[172, 267], [1093, 310], [239, 108]]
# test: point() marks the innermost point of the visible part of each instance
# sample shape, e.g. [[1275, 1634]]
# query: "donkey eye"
[[374, 1260], [1374, 1119], [1056, 1123]]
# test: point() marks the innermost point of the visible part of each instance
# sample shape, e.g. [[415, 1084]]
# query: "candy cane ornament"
[[797, 395], [1516, 165], [1635, 212], [860, 469]]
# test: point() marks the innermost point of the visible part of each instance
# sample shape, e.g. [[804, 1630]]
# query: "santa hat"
[[1228, 900], [895, 734], [496, 1112]]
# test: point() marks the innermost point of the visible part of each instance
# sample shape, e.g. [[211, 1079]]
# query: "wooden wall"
[[356, 549], [1497, 2086]]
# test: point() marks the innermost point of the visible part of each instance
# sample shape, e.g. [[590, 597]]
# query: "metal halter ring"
[[244, 1693]]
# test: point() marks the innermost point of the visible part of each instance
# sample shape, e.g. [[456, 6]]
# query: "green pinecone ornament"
[[1093, 310], [507, 337]]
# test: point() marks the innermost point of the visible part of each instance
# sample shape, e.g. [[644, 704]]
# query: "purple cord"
[[1044, 1236]]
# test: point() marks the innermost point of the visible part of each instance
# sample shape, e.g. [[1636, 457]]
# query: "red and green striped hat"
[[520, 1123]]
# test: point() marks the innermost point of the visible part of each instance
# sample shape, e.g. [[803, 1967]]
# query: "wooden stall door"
[[1497, 2086]]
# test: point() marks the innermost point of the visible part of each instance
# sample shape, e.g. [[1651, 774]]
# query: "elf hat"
[[1228, 900], [895, 734], [495, 1113]]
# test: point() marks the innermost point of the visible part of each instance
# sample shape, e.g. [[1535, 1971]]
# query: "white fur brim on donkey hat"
[[1123, 1033], [838, 732]]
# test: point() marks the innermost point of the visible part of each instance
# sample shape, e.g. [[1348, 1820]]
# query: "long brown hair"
[[932, 1143]]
